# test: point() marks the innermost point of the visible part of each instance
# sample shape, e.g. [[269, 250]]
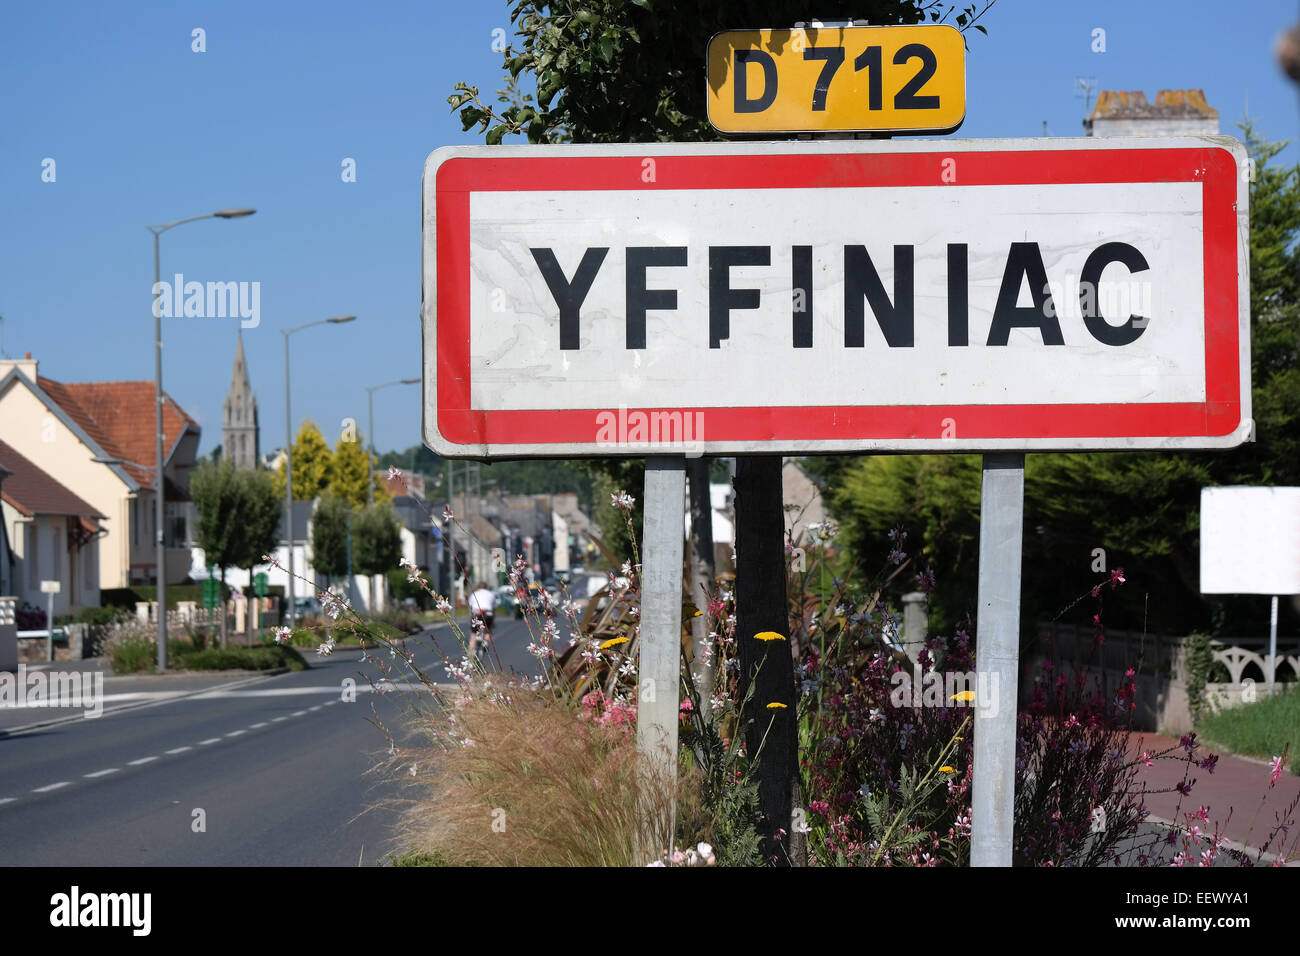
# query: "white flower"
[[448, 513], [326, 649], [622, 500], [282, 634], [443, 605], [393, 473]]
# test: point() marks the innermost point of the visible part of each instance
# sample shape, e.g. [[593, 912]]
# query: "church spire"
[[239, 427]]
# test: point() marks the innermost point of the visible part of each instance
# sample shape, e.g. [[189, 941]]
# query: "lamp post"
[[159, 490], [288, 450], [370, 405]]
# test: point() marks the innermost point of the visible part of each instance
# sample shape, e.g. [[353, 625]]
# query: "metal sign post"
[[997, 659], [660, 640]]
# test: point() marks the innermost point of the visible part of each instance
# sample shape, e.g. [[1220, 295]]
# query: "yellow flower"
[[769, 636], [611, 643], [963, 695], [775, 706], [946, 769]]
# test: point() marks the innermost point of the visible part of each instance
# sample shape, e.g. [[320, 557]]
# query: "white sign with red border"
[[954, 295]]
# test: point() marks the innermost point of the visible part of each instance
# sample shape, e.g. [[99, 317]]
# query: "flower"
[[613, 642], [443, 605], [1275, 768], [393, 473], [622, 500], [946, 769], [963, 695], [775, 706], [1146, 757], [769, 636], [282, 634], [326, 649]]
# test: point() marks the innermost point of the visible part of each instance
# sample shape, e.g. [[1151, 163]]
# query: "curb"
[[54, 722], [1270, 858]]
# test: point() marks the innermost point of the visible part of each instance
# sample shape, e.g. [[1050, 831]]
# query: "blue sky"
[[144, 130]]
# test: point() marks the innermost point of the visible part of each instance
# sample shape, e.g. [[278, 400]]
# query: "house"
[[1129, 113], [98, 439], [55, 537]]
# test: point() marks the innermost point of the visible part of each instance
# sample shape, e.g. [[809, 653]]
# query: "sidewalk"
[[1238, 784]]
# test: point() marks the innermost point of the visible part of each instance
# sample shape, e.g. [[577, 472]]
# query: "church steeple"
[[239, 431]]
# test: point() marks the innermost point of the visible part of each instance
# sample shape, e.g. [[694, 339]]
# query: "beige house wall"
[[37, 434]]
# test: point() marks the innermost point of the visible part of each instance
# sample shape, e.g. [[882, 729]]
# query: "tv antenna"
[[1084, 87]]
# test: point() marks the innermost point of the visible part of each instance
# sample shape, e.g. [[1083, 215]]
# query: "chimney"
[[25, 365]]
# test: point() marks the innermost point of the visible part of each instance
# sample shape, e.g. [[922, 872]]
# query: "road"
[[274, 769]]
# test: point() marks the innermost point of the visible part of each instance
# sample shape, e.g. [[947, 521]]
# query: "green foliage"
[[631, 70], [311, 464], [329, 536], [266, 657], [376, 540], [1260, 729], [1200, 660], [238, 514], [130, 652], [349, 473]]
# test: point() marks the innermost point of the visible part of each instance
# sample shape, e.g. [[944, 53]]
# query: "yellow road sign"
[[902, 79]]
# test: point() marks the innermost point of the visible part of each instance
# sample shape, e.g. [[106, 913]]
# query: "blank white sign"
[[1250, 540]]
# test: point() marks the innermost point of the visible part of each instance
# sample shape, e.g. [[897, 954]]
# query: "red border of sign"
[[1216, 168]]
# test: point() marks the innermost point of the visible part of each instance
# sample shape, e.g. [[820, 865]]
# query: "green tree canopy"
[[376, 539], [311, 464], [329, 536]]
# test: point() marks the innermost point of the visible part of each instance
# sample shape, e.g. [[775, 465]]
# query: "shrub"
[[268, 657], [131, 648]]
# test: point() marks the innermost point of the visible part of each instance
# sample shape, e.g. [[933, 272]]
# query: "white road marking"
[[236, 733], [298, 713], [4, 800], [53, 786], [142, 760], [317, 707], [179, 750], [276, 720], [100, 773], [210, 740], [256, 726]]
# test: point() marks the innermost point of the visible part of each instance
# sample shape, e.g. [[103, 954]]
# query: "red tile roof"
[[35, 492], [119, 416]]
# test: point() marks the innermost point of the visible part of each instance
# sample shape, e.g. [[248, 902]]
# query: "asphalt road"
[[278, 767]]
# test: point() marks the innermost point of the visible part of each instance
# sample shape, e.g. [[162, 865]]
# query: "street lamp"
[[370, 404], [159, 490], [288, 448]]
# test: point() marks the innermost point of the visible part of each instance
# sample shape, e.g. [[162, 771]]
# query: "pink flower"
[[1275, 768], [1146, 757]]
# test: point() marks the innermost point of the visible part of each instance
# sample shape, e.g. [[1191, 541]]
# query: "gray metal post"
[[997, 654], [661, 622], [159, 490], [50, 628], [1272, 645], [288, 480]]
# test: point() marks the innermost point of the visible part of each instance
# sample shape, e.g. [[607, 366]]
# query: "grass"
[[1260, 729], [538, 786]]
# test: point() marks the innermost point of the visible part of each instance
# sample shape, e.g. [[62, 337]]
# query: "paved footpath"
[[1238, 784]]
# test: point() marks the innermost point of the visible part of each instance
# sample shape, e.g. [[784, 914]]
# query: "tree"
[[237, 516], [311, 464], [349, 471], [329, 536], [376, 542], [630, 71]]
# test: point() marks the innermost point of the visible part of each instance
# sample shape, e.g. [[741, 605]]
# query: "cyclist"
[[482, 607]]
